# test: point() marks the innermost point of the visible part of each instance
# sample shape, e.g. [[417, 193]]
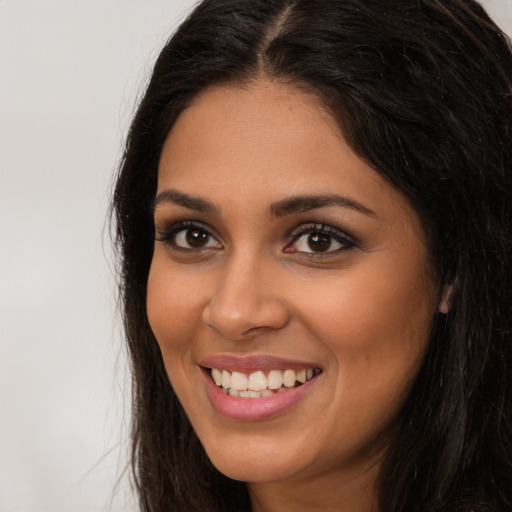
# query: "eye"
[[194, 238], [189, 236], [319, 238]]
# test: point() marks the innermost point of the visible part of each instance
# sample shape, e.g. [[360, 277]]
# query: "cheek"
[[174, 313], [370, 303], [377, 334], [173, 307], [376, 327]]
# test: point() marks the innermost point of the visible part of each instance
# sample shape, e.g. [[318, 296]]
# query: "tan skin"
[[344, 284]]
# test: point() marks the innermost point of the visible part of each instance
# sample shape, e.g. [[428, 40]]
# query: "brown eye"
[[194, 237], [319, 242], [319, 239]]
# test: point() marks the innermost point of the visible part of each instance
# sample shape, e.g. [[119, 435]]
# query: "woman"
[[314, 221]]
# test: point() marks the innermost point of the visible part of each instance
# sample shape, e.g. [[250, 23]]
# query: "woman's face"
[[282, 256]]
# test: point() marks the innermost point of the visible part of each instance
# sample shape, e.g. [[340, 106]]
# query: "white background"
[[70, 73]]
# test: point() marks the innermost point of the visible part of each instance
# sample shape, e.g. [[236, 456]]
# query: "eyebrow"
[[288, 206], [199, 204], [298, 204]]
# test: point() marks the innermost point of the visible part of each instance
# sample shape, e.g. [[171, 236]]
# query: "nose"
[[246, 301]]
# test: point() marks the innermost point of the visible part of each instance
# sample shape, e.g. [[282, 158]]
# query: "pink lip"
[[253, 409], [249, 364]]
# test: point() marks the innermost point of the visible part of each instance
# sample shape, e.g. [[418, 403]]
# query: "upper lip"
[[251, 363]]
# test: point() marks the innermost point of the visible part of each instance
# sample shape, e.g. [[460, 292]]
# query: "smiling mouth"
[[259, 384]]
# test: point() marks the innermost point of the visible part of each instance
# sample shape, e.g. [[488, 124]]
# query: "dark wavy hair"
[[422, 91]]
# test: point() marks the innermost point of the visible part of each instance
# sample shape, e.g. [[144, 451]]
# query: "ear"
[[445, 302]]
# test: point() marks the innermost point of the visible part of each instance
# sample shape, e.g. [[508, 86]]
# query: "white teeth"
[[301, 376], [226, 379], [274, 379], [252, 394], [289, 378], [256, 384], [257, 381], [217, 376], [239, 381]]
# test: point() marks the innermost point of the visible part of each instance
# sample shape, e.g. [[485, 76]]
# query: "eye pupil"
[[196, 237], [319, 242]]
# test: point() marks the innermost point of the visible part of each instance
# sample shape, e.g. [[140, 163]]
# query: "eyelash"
[[346, 241], [168, 235]]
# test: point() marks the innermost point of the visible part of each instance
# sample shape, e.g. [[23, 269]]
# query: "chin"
[[257, 465]]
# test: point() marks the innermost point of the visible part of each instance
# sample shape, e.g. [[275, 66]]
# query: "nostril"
[[245, 318]]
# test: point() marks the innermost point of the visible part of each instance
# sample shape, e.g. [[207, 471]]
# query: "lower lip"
[[253, 409]]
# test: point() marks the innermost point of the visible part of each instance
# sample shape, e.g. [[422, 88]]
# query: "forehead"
[[270, 119], [265, 141]]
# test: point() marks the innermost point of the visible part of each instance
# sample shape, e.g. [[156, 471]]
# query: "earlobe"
[[445, 302]]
